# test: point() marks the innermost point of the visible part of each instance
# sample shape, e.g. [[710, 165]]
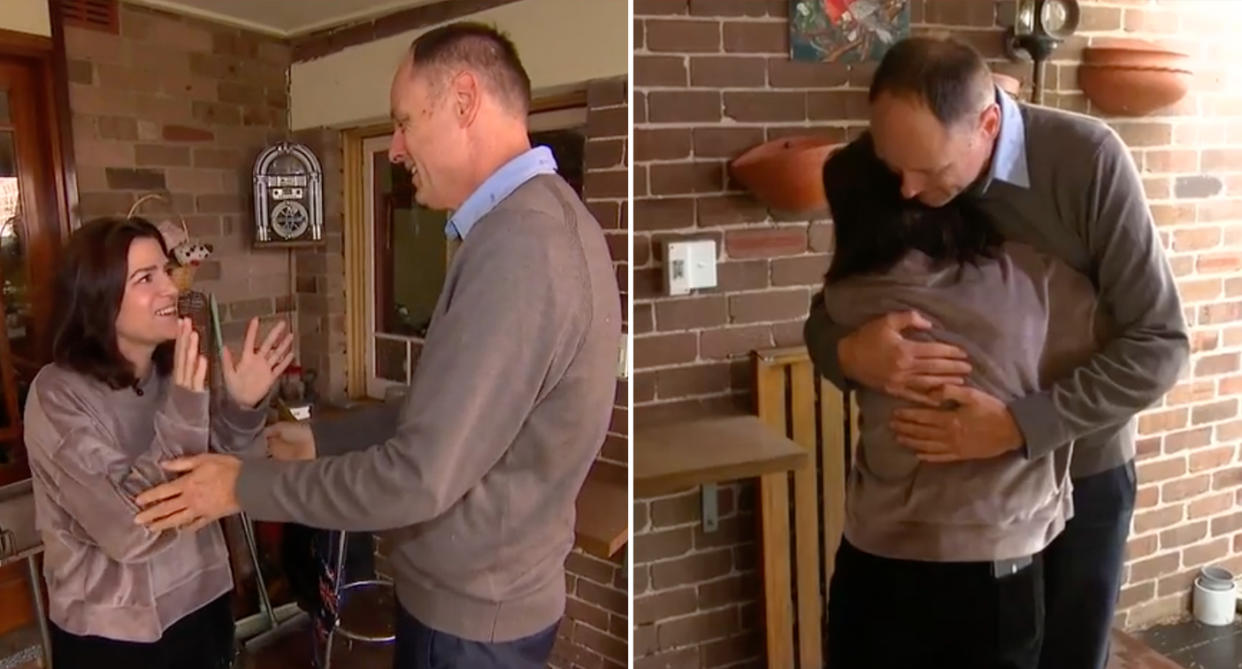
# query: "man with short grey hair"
[[478, 474], [1065, 184]]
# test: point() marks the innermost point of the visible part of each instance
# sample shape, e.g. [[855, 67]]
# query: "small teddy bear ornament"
[[189, 254]]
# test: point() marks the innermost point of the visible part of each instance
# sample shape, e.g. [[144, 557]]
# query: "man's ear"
[[465, 97], [989, 120]]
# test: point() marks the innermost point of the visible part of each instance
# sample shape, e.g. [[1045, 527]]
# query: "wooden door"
[[30, 224]]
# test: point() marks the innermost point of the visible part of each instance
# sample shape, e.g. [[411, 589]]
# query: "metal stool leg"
[[40, 611], [253, 546], [339, 578]]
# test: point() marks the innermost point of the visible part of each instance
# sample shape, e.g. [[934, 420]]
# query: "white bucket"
[[1215, 597]]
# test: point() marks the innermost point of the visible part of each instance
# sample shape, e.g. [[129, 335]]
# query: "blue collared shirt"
[[1009, 158], [497, 187]]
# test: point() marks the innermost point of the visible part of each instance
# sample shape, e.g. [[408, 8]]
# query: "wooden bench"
[[677, 455], [602, 525]]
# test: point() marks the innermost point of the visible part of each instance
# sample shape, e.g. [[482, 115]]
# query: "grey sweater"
[[509, 405], [1084, 205], [1023, 318], [92, 450]]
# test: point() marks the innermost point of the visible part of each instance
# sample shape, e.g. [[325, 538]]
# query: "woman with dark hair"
[[125, 391], [945, 554]]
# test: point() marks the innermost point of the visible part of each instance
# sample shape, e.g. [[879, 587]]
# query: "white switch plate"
[[623, 357], [689, 265]]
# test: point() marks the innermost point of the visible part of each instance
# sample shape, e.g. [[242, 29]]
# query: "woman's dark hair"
[[90, 283], [875, 226]]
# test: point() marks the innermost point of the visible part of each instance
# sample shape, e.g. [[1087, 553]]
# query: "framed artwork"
[[846, 31]]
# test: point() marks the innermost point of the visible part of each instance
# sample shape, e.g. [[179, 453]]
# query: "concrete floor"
[[1192, 645], [1213, 648]]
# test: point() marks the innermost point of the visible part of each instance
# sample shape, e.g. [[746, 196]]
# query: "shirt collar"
[[498, 186], [1009, 157]]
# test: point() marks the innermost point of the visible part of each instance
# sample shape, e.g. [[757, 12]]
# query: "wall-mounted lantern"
[[1039, 27]]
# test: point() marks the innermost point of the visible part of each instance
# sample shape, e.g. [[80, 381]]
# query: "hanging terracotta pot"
[[1135, 53], [1132, 91], [786, 174]]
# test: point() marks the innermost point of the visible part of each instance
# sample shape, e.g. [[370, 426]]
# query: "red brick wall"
[[713, 77], [319, 274], [596, 627], [183, 106]]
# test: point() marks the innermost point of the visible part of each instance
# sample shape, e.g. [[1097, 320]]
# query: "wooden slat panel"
[[832, 474], [774, 527], [806, 518]]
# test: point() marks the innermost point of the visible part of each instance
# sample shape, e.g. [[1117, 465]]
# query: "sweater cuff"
[[1040, 425], [256, 490], [188, 407], [243, 419]]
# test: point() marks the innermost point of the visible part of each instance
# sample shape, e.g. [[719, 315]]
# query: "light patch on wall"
[[561, 43], [26, 16]]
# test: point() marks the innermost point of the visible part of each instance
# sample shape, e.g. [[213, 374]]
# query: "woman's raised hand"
[[250, 378], [189, 366]]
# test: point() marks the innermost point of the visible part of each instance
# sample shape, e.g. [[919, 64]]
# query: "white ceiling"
[[283, 18]]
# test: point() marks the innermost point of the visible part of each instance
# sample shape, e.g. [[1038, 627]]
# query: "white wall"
[[561, 42], [25, 16]]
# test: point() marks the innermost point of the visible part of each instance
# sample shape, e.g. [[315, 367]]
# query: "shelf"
[[601, 526], [678, 455]]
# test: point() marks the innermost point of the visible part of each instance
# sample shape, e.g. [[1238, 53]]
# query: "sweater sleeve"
[[482, 369], [823, 337], [96, 481], [236, 429], [1135, 284]]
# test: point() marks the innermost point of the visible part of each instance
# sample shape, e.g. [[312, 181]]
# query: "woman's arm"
[[95, 480], [237, 429]]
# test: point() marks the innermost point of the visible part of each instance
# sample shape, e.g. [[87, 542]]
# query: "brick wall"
[[319, 273], [713, 77], [182, 106], [596, 627]]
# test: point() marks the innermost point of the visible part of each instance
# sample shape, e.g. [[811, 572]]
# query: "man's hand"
[[204, 493], [290, 441], [879, 357], [977, 426]]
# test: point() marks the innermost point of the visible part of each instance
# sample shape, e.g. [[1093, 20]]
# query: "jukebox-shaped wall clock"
[[288, 196]]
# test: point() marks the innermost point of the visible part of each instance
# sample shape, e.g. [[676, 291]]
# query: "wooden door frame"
[[48, 56], [356, 279]]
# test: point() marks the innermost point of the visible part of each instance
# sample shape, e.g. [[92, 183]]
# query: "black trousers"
[[201, 640], [1082, 571], [420, 647], [901, 614]]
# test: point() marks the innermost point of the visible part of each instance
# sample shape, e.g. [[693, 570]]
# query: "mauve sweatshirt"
[[93, 449], [1025, 320]]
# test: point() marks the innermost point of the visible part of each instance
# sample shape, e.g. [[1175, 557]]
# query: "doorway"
[[33, 220], [404, 252]]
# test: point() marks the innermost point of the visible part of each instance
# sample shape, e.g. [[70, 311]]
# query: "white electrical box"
[[689, 265]]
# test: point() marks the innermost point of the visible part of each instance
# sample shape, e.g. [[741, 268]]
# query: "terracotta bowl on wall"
[[1128, 77], [1132, 91], [786, 174]]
